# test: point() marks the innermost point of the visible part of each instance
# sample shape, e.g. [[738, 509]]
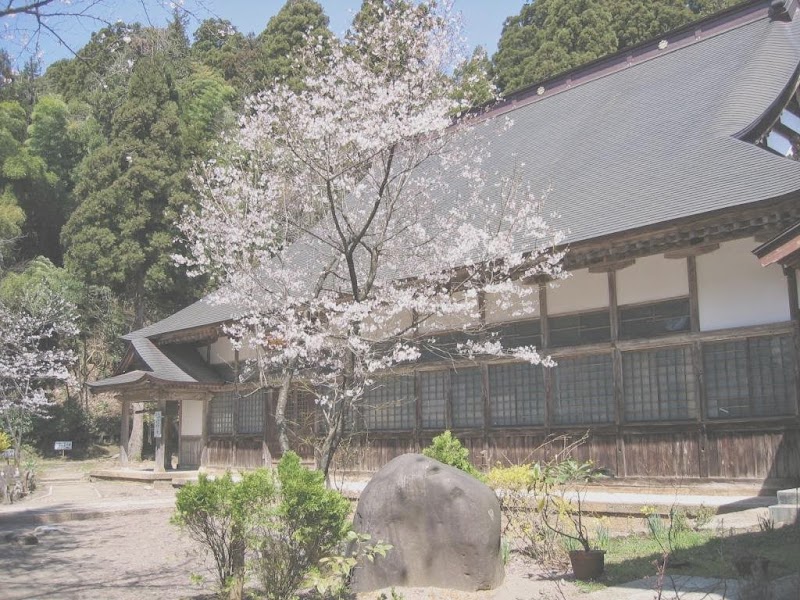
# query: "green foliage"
[[474, 86], [219, 513], [329, 578], [219, 46], [5, 441], [448, 449], [521, 490], [703, 515], [550, 36], [67, 420], [205, 110], [284, 37], [121, 236], [287, 518], [308, 524]]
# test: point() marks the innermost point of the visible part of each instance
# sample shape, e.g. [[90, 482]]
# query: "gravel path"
[[141, 556]]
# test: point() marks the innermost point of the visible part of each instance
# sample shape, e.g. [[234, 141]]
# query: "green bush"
[[307, 525], [5, 441], [521, 491], [448, 449], [219, 514], [289, 521]]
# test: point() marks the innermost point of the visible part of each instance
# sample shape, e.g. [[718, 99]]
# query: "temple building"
[[674, 168]]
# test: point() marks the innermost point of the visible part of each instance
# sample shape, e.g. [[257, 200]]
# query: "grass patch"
[[699, 553]]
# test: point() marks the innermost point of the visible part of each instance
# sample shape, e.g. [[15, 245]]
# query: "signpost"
[[157, 424], [63, 446]]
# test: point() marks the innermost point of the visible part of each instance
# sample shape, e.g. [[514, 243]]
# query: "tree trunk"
[[136, 441], [280, 408], [336, 427]]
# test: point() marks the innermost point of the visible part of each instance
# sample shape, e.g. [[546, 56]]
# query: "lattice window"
[[433, 398], [655, 319], [391, 404], [659, 385], [521, 333], [250, 416], [583, 390], [300, 411], [443, 346], [577, 330], [750, 378], [220, 414], [466, 389], [517, 394]]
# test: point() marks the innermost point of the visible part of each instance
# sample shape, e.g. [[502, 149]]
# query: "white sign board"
[[157, 424], [63, 446]]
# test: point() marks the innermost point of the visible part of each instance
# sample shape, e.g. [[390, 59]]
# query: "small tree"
[[357, 216], [448, 449], [32, 359], [220, 514], [289, 522]]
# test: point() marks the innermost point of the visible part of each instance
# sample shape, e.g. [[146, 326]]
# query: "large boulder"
[[443, 525]]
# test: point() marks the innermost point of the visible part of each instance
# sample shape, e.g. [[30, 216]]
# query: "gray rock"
[[28, 539], [443, 525]]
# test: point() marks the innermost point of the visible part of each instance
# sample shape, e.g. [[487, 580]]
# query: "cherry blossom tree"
[[355, 218], [32, 360]]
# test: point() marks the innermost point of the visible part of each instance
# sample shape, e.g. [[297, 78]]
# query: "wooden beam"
[[694, 296], [610, 266], [697, 250], [781, 252]]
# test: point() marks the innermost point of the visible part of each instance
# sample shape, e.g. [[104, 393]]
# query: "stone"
[[443, 525]]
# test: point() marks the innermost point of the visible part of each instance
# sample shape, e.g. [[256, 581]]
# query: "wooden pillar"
[[794, 315], [616, 362], [696, 352], [549, 406], [161, 442], [124, 433]]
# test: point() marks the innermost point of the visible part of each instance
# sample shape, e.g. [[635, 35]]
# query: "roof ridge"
[[690, 34]]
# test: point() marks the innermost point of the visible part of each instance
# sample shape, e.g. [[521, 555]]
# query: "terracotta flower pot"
[[587, 565]]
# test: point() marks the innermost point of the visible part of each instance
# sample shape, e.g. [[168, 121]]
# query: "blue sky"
[[482, 20]]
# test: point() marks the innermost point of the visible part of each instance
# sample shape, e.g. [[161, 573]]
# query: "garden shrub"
[[219, 514], [448, 449], [286, 520], [308, 524], [521, 491], [5, 441]]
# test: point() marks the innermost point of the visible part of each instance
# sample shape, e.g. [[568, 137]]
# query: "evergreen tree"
[[474, 86], [218, 45], [121, 235], [550, 36], [281, 40]]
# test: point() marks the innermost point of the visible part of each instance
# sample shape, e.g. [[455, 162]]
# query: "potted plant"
[[562, 511]]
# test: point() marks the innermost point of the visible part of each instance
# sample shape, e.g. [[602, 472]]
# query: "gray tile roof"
[[173, 364], [647, 144]]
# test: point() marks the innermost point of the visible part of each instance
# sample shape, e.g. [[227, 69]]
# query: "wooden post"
[[696, 350], [161, 442], [794, 315], [616, 362], [124, 433]]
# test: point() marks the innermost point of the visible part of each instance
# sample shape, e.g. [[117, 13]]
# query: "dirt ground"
[[141, 556]]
